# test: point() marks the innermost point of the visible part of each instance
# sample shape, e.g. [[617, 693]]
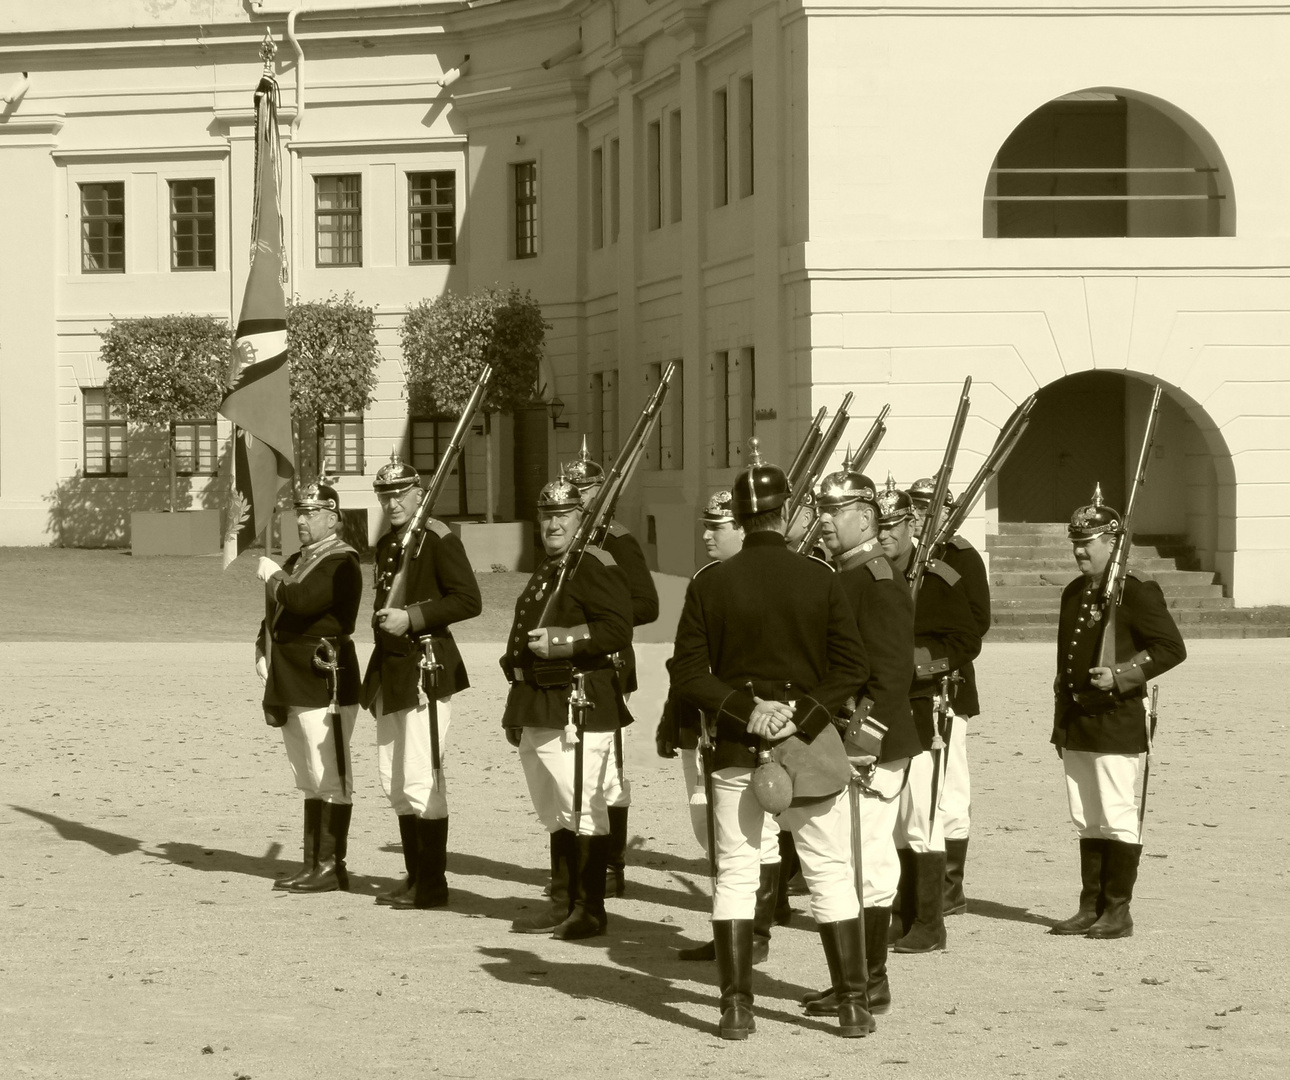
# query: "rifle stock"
[[931, 521], [804, 452], [858, 462], [1113, 581], [823, 451]]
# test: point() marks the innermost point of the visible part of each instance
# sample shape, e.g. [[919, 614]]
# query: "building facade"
[[791, 200]]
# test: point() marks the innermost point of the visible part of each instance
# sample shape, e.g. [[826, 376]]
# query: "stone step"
[[1213, 601], [1164, 578], [1011, 565], [1063, 551], [1047, 633], [1051, 591]]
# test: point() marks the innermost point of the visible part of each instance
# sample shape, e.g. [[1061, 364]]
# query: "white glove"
[[262, 669], [266, 568]]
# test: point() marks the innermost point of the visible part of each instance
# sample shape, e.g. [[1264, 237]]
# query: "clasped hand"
[[772, 720], [393, 620], [1102, 678]]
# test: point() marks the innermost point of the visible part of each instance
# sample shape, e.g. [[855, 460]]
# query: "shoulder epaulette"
[[1139, 575], [618, 530], [944, 571], [601, 554], [880, 569], [439, 528], [960, 542], [705, 566]]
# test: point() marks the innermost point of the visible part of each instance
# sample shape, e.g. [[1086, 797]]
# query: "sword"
[[429, 663], [579, 703], [941, 744], [857, 856], [707, 755], [1149, 721], [330, 663]]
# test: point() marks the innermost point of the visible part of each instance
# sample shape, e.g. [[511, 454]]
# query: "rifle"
[[1113, 582], [595, 518], [918, 568], [415, 532], [1003, 446], [799, 493], [804, 452], [856, 462]]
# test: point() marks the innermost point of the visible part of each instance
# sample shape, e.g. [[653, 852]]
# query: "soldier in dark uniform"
[[566, 766], [587, 477], [679, 728], [1099, 725], [884, 612], [956, 797], [768, 648], [440, 590], [313, 598], [945, 638]]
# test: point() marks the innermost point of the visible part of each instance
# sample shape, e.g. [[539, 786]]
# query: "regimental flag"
[[258, 400]]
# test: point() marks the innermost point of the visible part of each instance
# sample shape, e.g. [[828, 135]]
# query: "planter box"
[[184, 532], [504, 543]]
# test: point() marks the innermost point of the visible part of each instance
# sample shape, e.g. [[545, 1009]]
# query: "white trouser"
[[821, 831], [692, 766], [956, 802], [915, 828], [618, 790], [311, 750], [548, 768], [878, 810], [1099, 788], [405, 762]]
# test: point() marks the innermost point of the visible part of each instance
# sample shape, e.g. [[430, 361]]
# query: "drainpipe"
[[300, 66]]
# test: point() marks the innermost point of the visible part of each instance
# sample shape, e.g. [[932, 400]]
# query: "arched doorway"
[[1087, 429]]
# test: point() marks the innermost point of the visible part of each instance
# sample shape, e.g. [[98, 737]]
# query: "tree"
[[332, 350], [448, 340], [165, 369]]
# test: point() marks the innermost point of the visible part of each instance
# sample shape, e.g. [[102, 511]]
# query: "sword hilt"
[[429, 663]]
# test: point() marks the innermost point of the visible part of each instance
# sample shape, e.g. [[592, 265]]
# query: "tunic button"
[[1068, 671]]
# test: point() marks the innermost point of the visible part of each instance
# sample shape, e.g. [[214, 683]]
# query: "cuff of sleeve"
[[810, 717], [1131, 676], [738, 705], [926, 665], [416, 618], [567, 642]]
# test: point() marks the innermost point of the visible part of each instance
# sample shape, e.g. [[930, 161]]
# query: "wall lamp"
[[556, 409]]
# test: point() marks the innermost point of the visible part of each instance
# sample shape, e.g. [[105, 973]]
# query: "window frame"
[[353, 214], [524, 209], [109, 422], [205, 430], [442, 427], [654, 175], [197, 217], [107, 219], [415, 210], [720, 147], [340, 464]]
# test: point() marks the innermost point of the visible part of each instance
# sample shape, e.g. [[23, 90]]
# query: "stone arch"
[[1087, 428], [1108, 161]]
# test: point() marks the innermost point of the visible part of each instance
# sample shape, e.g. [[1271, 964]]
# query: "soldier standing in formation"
[[312, 599], [768, 648], [680, 727], [588, 477], [411, 729], [565, 762], [956, 789], [1099, 725], [884, 613], [945, 638]]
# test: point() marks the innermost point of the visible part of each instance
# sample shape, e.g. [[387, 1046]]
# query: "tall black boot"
[[877, 920], [331, 873], [904, 905], [1119, 876], [843, 950], [764, 911], [955, 902], [1092, 852], [431, 889], [733, 938], [408, 838], [616, 870], [928, 932], [789, 864], [313, 814], [587, 916], [554, 913]]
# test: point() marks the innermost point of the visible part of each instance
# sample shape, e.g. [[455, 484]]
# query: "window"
[[105, 438], [103, 228], [430, 437], [666, 450], [613, 191], [432, 217], [745, 136], [525, 179], [604, 414], [733, 392], [720, 150], [338, 217], [674, 165], [653, 175], [192, 224], [195, 447], [340, 445], [597, 198]]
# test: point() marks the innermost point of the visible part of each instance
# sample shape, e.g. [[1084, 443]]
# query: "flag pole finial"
[[268, 50]]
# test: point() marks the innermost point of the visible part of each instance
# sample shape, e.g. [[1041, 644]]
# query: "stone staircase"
[[1030, 564]]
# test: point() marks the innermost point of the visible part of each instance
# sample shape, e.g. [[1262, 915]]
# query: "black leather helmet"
[[584, 472], [394, 476], [717, 511], [559, 496], [894, 505], [317, 496], [921, 490], [760, 487], [844, 487], [1093, 520]]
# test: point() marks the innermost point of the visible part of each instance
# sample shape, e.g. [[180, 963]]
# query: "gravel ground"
[[147, 809]]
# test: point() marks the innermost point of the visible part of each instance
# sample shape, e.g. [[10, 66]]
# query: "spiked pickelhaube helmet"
[[317, 496], [894, 505], [844, 487], [559, 496], [718, 510], [760, 487], [584, 473], [395, 476], [922, 489], [1094, 519]]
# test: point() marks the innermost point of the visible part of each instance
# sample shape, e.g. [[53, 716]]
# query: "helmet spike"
[[1097, 494], [754, 451], [891, 481]]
